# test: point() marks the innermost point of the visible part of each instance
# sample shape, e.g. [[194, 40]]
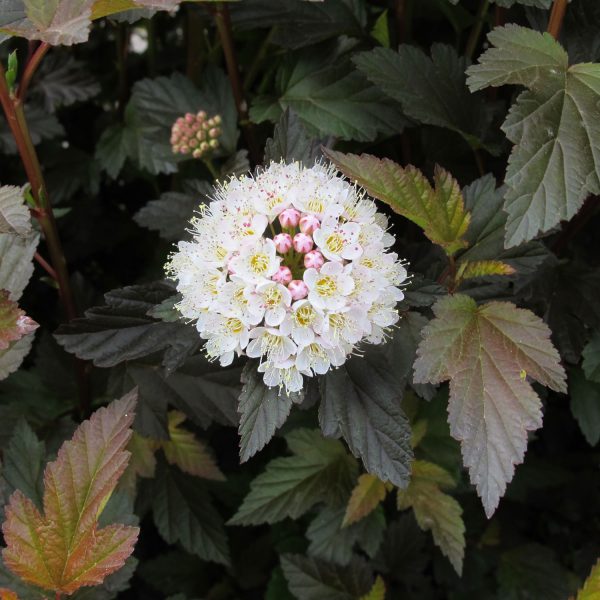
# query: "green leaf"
[[591, 358], [171, 213], [14, 213], [365, 402], [301, 23], [485, 234], [487, 353], [12, 357], [591, 587], [262, 411], [368, 493], [183, 512], [290, 142], [24, 460], [16, 262], [585, 405], [436, 511], [320, 470], [62, 80], [533, 571], [312, 579], [377, 592], [438, 210], [330, 98], [555, 163], [437, 94], [332, 542], [120, 331], [63, 549], [187, 452]]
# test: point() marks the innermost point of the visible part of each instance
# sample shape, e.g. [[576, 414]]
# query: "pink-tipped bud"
[[214, 132], [283, 275], [189, 118], [303, 243], [193, 143], [298, 289], [308, 224], [213, 144], [289, 217], [184, 149], [283, 242], [217, 119], [201, 115], [197, 153], [313, 260]]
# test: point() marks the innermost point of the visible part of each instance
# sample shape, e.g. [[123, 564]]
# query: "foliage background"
[[100, 114]]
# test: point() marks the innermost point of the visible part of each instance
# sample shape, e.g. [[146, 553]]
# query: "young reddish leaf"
[[63, 549], [142, 462], [487, 352], [439, 211], [366, 496], [436, 510], [187, 452], [14, 324], [7, 595]]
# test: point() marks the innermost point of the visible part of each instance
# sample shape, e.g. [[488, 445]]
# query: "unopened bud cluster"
[[196, 134]]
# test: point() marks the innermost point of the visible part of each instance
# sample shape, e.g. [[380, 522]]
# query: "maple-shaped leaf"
[[487, 353], [435, 510], [591, 587], [62, 548], [187, 452], [555, 163], [438, 210], [14, 324], [368, 493], [14, 214]]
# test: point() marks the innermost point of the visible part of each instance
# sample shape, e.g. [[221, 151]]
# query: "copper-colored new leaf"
[[7, 595], [187, 452], [368, 493], [63, 549], [14, 324], [488, 352], [439, 210]]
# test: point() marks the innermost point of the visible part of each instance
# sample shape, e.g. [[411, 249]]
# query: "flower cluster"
[[195, 134], [292, 267]]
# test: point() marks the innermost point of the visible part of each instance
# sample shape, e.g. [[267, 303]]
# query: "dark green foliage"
[[510, 114]]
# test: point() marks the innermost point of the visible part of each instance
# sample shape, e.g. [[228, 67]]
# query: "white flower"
[[230, 273], [329, 286], [256, 261], [271, 301]]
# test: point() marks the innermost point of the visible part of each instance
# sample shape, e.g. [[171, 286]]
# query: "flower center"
[[316, 205], [304, 316], [326, 286], [259, 263], [273, 201], [337, 321], [272, 297], [234, 325], [220, 252], [316, 351], [335, 243]]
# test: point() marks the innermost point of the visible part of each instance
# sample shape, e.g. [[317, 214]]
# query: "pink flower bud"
[[214, 132], [213, 144], [283, 242], [197, 153], [201, 115], [217, 119], [308, 224], [313, 260], [189, 118], [303, 243], [298, 289], [289, 217], [283, 275]]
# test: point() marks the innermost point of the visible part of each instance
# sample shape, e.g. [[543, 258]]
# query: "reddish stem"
[[559, 8], [30, 69], [45, 265], [223, 22]]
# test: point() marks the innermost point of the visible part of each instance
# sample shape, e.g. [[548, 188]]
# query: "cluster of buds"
[[195, 134]]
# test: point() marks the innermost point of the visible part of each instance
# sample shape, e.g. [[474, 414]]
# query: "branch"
[[32, 65], [559, 8], [223, 22]]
